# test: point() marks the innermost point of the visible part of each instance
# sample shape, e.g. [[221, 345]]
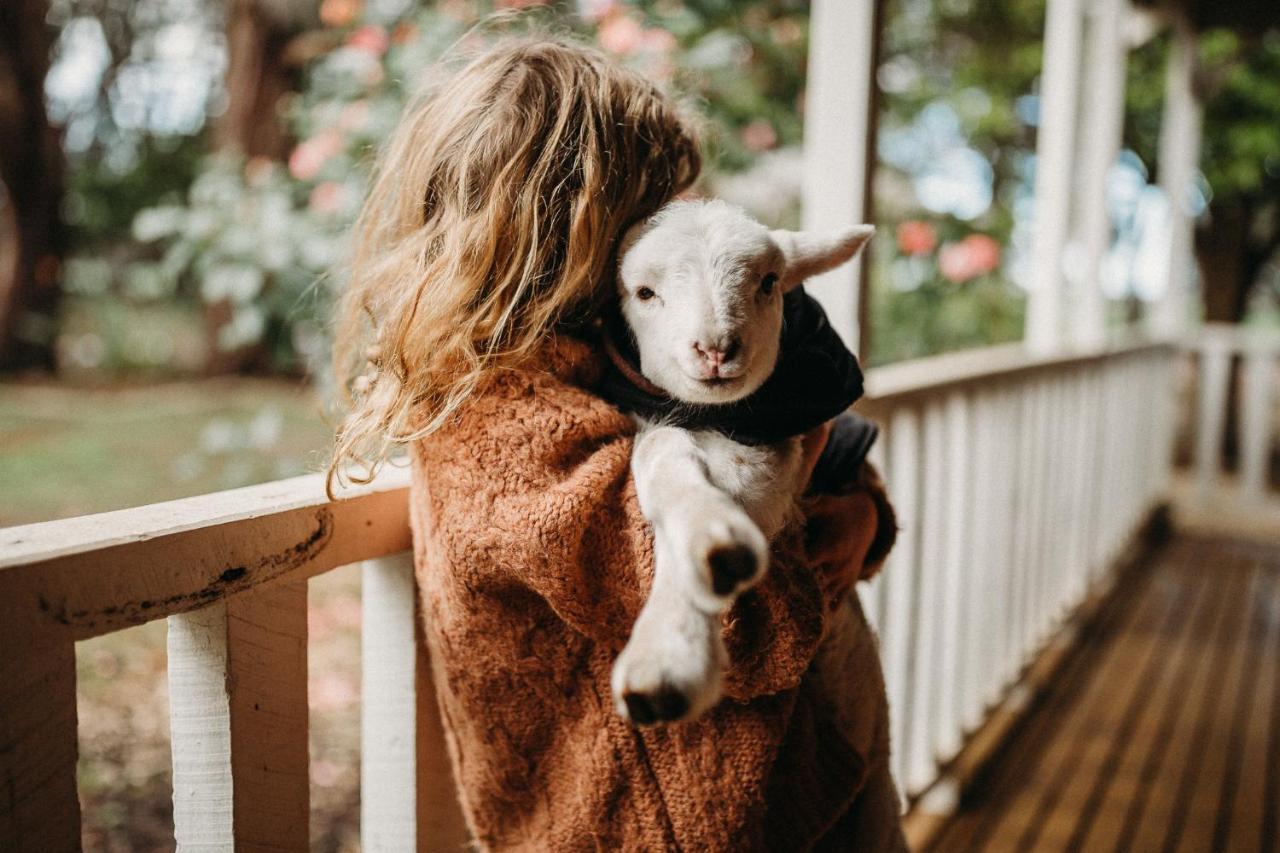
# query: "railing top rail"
[[81, 577], [1234, 337], [46, 540], [951, 371]]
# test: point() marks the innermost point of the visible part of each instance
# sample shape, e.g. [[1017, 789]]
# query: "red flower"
[[916, 237]]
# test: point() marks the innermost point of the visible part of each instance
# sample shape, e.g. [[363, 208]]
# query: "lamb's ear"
[[807, 253]]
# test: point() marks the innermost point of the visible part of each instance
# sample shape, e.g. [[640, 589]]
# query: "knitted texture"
[[533, 560]]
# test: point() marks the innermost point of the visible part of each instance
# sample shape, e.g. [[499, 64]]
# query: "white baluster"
[[238, 722], [407, 797], [1255, 422], [1215, 369], [898, 625]]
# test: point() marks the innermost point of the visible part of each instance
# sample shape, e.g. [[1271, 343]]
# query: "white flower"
[[154, 223], [238, 283]]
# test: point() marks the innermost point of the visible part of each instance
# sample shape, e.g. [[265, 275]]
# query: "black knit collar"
[[815, 379]]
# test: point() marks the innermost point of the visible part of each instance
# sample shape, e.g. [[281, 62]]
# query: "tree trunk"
[[1222, 252], [258, 77], [31, 184]]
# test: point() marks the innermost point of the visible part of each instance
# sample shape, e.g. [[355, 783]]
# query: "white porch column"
[[1055, 143], [1178, 161], [837, 124], [1102, 126]]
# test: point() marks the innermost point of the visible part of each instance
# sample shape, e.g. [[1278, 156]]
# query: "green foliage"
[[102, 199]]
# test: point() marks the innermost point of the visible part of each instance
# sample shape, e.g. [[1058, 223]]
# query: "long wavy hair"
[[493, 220]]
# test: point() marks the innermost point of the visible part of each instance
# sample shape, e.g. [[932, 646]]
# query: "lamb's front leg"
[[706, 551]]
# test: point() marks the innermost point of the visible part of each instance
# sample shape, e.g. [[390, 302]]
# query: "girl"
[[483, 256]]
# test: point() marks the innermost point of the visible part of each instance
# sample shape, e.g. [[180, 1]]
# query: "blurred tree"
[[263, 67], [1238, 81], [1241, 163], [31, 175]]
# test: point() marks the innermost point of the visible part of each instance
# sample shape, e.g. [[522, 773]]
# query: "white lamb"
[[701, 288]]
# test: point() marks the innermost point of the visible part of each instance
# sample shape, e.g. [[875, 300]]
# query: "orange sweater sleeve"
[[530, 486]]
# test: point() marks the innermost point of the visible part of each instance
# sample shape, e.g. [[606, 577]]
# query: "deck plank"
[[1163, 732]]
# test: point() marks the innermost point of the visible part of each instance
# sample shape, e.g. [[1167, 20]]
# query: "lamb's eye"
[[768, 282], [644, 294]]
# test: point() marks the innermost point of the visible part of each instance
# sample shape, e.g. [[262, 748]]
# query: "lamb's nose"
[[718, 355]]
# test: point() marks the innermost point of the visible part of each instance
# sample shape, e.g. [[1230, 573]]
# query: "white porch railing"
[[229, 571], [1017, 481], [1214, 349]]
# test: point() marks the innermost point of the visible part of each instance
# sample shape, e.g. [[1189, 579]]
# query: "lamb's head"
[[701, 286]]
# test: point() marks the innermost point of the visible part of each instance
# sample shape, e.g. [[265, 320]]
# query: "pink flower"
[[974, 256], [621, 34], [984, 253], [326, 198], [309, 157], [657, 41], [953, 263], [916, 237], [597, 10], [759, 135], [370, 38]]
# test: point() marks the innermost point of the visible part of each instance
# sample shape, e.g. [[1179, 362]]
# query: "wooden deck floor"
[[1163, 732]]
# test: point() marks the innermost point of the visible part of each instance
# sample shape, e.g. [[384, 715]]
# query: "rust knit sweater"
[[533, 561]]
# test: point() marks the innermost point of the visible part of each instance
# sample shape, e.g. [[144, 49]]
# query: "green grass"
[[67, 450], [75, 450]]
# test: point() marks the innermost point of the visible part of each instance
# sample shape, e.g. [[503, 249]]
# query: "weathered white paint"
[[88, 576], [837, 124], [388, 707], [408, 800], [1055, 143], [1178, 157], [1102, 124], [238, 720]]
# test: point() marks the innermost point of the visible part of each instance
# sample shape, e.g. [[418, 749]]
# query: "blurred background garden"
[[177, 178]]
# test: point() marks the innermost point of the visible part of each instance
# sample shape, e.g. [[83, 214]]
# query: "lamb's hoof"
[[671, 668], [664, 705], [731, 555], [732, 566]]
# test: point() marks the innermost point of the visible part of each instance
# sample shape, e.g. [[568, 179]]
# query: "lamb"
[[701, 287]]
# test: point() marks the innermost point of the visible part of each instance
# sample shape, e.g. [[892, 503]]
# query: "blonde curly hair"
[[493, 220]]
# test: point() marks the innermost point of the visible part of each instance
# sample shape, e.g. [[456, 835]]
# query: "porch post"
[[838, 126], [1102, 126], [1178, 160], [1055, 143]]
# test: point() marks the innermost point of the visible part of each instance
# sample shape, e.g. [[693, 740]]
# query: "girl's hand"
[[847, 535]]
